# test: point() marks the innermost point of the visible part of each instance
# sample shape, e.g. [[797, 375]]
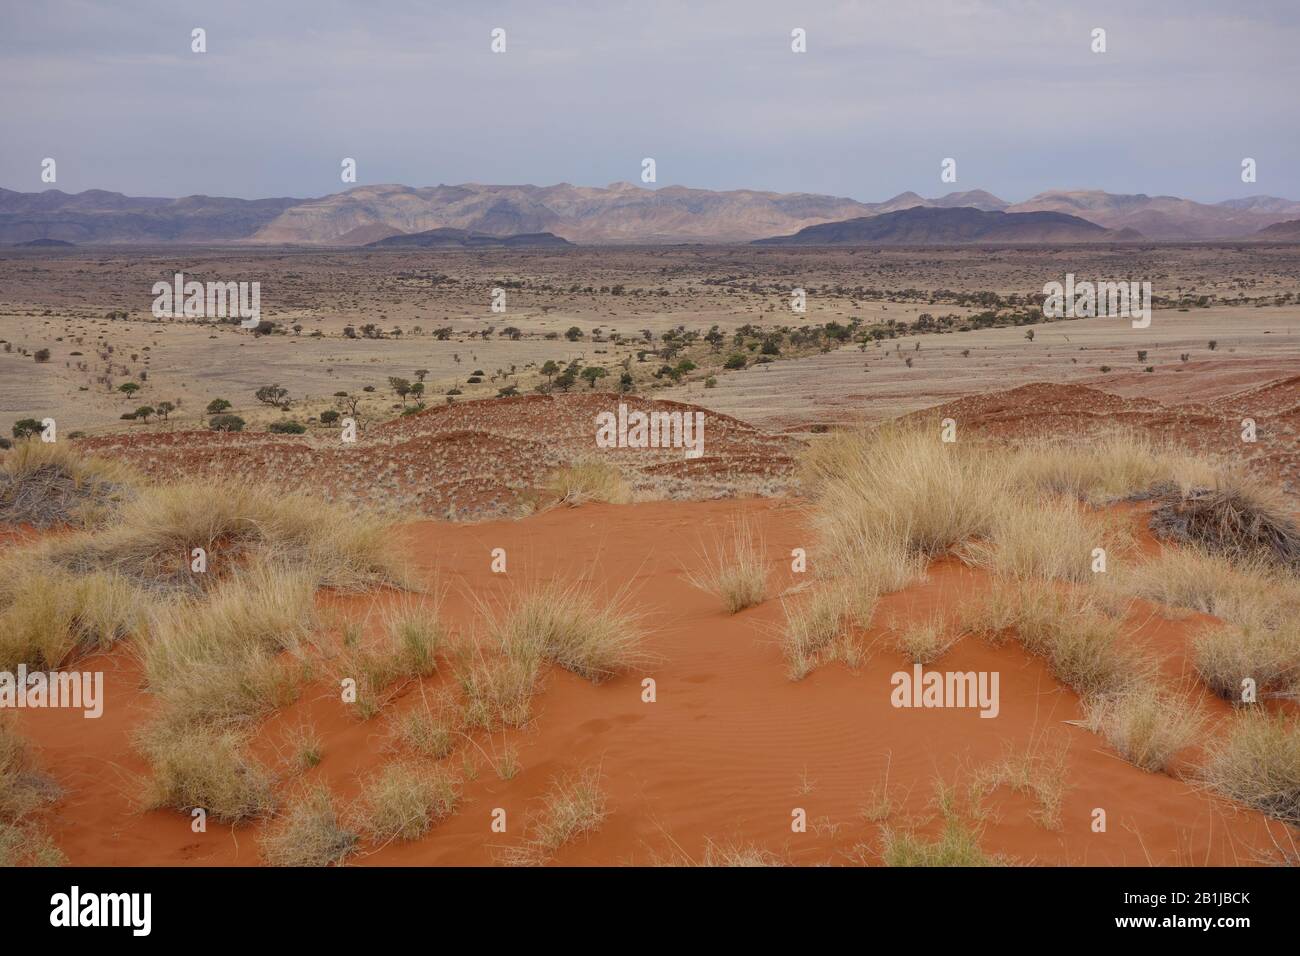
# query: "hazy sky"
[[711, 90]]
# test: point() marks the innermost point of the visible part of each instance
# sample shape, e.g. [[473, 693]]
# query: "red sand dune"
[[728, 750], [1078, 411]]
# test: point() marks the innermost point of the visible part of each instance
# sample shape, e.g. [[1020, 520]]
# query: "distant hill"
[[97, 216], [46, 244], [1281, 231], [1166, 217], [617, 213], [923, 225], [463, 238]]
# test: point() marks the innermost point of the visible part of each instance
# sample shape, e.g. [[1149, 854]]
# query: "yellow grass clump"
[[412, 637], [218, 661], [153, 539], [310, 833], [587, 480], [735, 570], [208, 768], [568, 626], [1258, 764], [49, 617], [404, 800], [1147, 726], [574, 805]]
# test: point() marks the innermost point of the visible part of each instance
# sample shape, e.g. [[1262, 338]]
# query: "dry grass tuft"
[[497, 691], [404, 800], [239, 527], [218, 661], [24, 790], [49, 617], [735, 571], [199, 766], [1051, 539], [1236, 518], [306, 749], [47, 484], [427, 731], [413, 636], [1258, 764], [569, 627], [737, 855], [1147, 726], [310, 833], [1261, 607], [958, 846], [924, 641], [1086, 647], [904, 486], [1118, 465], [588, 480], [813, 626], [1227, 657], [1038, 772], [573, 806]]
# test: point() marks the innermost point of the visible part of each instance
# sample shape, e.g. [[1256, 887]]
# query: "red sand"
[[729, 749]]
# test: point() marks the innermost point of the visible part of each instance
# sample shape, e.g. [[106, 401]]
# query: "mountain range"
[[618, 213]]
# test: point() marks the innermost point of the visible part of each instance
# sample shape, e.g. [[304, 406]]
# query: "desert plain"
[[564, 654]]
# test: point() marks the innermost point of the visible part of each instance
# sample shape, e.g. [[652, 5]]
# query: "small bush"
[[226, 423]]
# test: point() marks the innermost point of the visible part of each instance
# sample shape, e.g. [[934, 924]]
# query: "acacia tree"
[[400, 386], [273, 395]]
